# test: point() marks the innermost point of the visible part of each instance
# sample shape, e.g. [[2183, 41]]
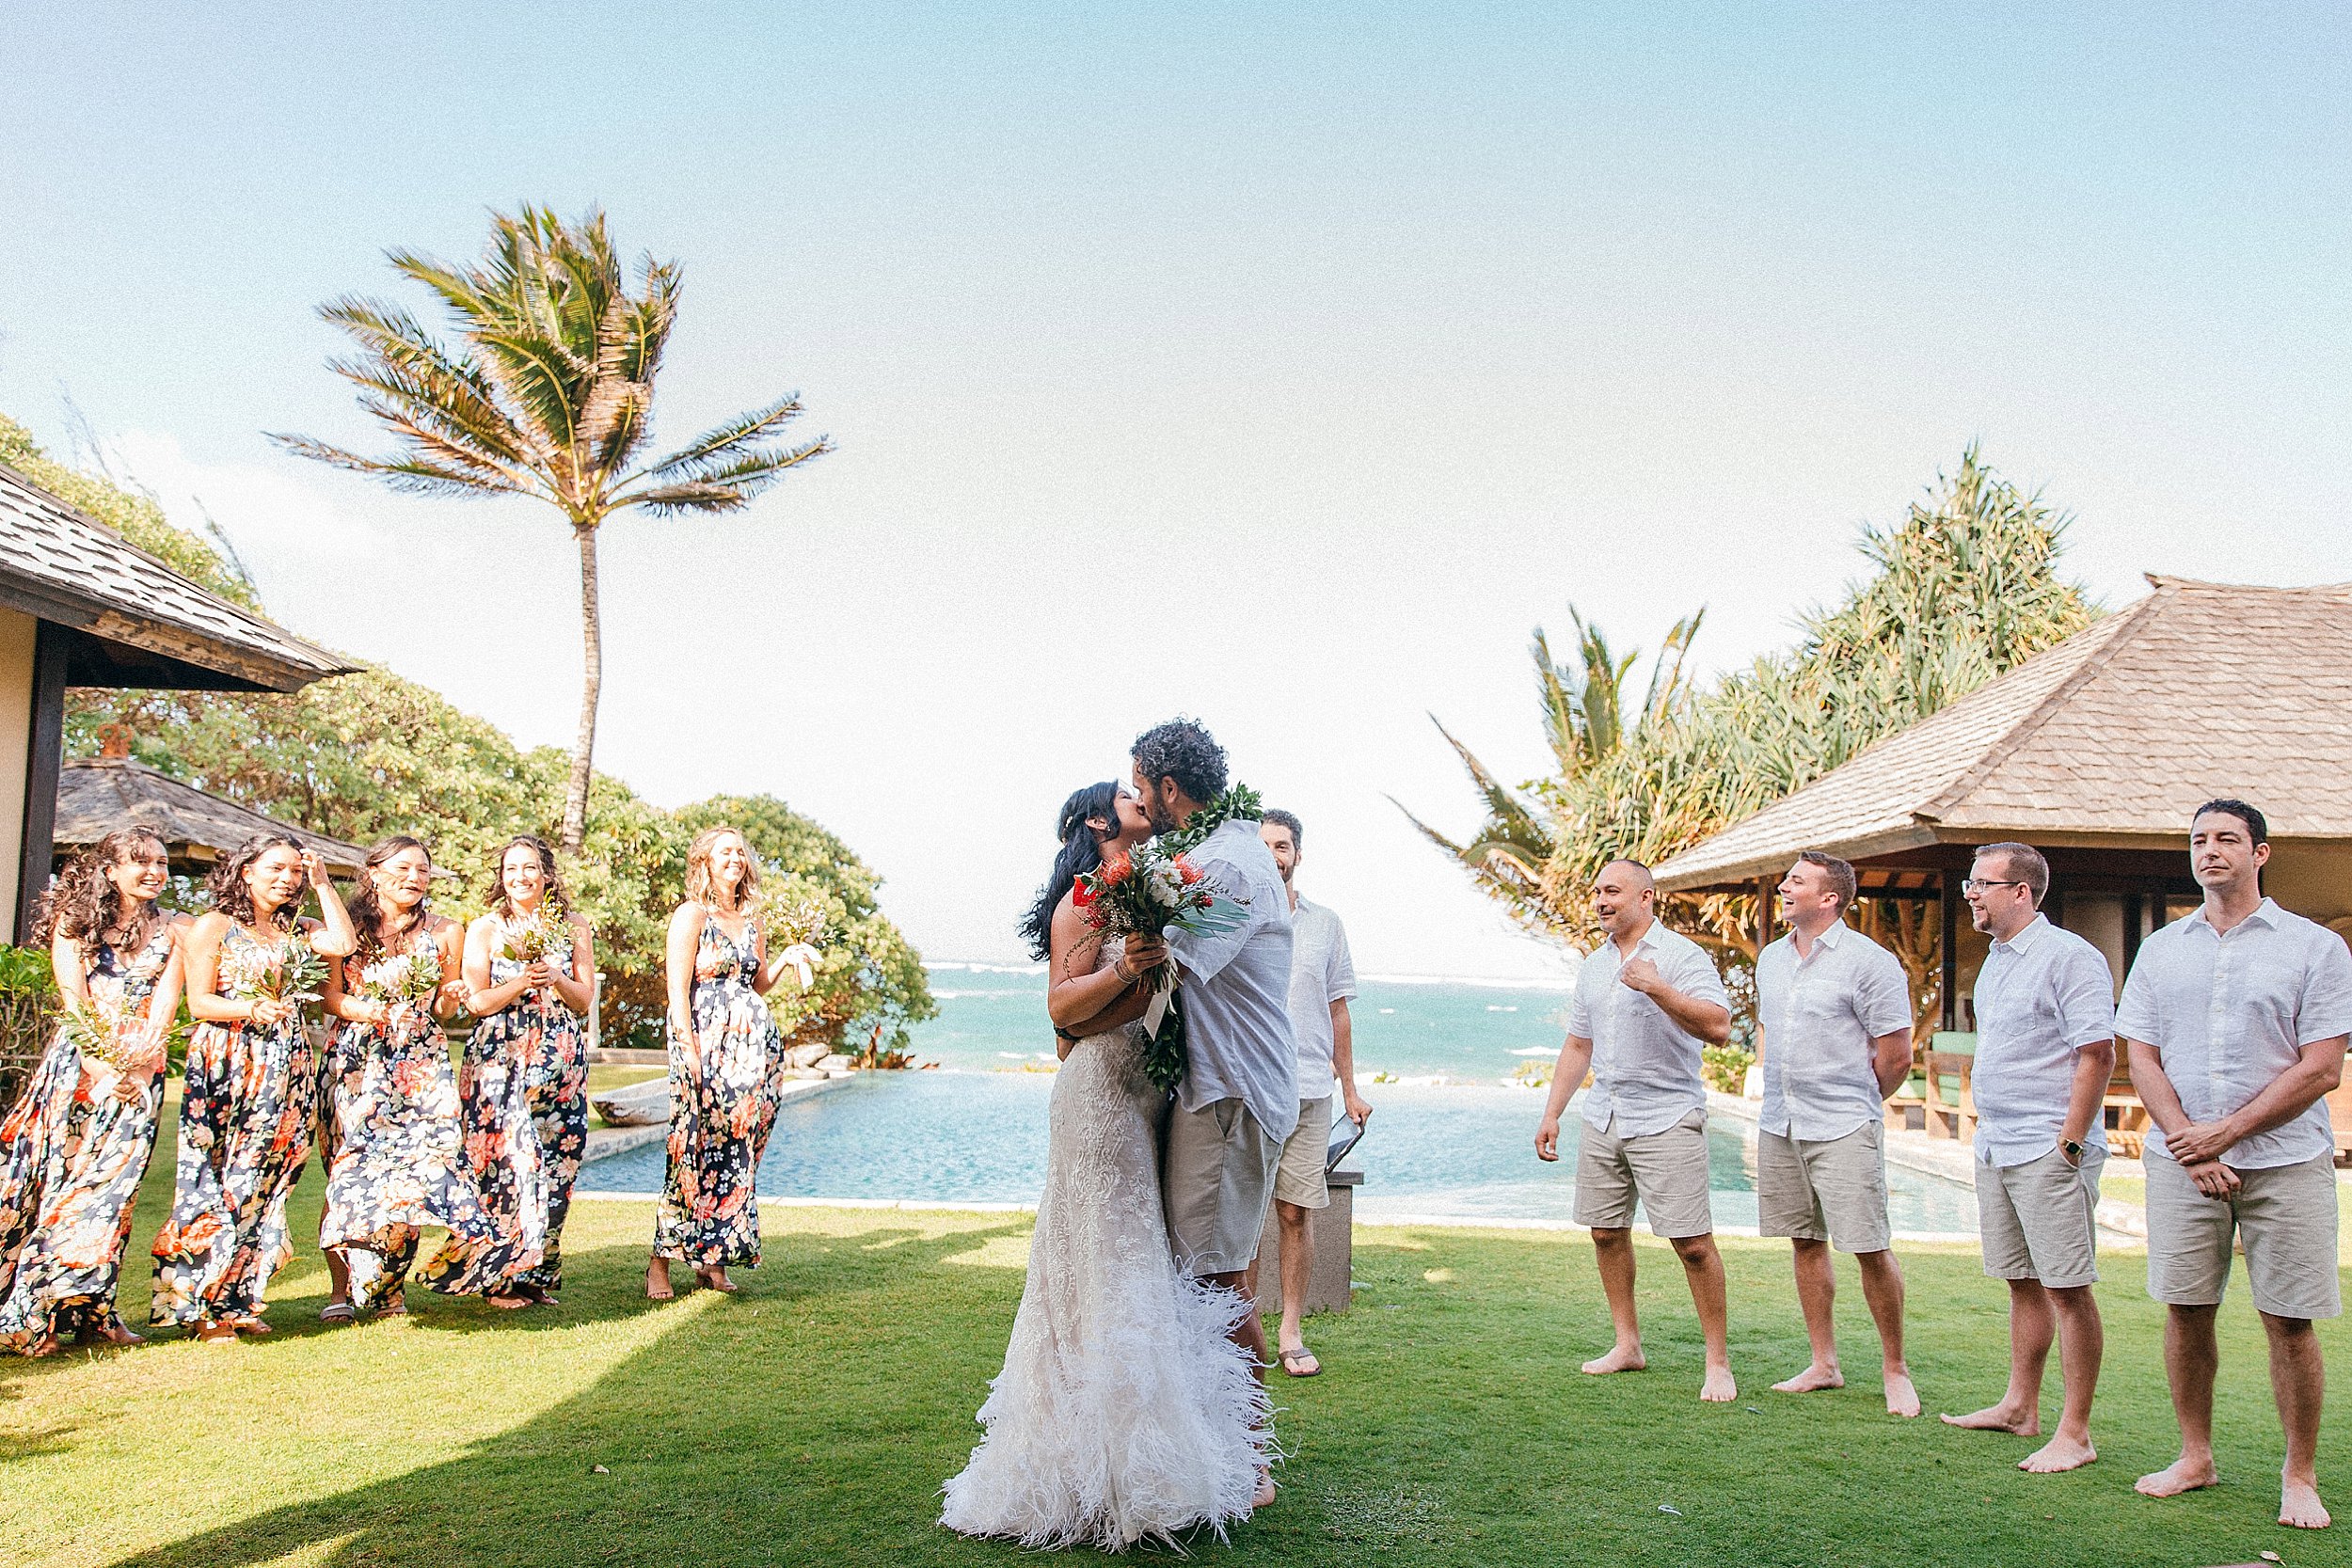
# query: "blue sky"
[[1367, 337]]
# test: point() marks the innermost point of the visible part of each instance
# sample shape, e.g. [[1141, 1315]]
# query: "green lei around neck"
[[1238, 803]]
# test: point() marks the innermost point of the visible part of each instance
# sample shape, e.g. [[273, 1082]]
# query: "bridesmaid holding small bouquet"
[[251, 1098], [727, 1065], [73, 1151], [398, 1151], [523, 1088]]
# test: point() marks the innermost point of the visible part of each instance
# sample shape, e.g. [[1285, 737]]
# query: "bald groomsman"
[[1647, 1002], [2236, 1019], [2045, 1050], [1835, 1010]]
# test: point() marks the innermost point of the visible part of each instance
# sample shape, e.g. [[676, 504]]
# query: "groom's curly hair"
[[1184, 751]]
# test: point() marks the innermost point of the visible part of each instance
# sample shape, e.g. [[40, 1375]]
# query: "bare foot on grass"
[[1719, 1388], [1999, 1418], [2183, 1475], [1813, 1380], [2058, 1453], [1901, 1398], [1624, 1358], [2299, 1506], [658, 1280], [1264, 1494]]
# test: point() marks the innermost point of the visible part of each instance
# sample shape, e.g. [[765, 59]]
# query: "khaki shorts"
[[2040, 1220], [1299, 1178], [1825, 1189], [1217, 1177], [1666, 1171], [2286, 1217]]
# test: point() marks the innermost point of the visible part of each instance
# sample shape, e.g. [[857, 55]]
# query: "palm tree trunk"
[[591, 687]]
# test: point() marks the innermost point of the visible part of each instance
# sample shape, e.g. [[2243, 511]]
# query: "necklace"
[[1238, 803]]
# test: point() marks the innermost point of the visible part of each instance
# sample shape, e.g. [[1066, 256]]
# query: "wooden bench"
[[2127, 1117], [1941, 1076], [2340, 1116]]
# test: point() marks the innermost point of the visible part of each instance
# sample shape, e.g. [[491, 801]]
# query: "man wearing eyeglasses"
[[2045, 1050], [2236, 1019]]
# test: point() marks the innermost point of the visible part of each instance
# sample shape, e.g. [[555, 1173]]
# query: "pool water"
[[1455, 1153]]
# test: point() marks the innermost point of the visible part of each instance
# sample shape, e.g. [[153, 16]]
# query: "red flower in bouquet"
[[1150, 894]]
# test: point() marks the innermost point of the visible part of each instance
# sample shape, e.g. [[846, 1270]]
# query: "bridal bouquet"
[[286, 971], [115, 1035], [1150, 893]]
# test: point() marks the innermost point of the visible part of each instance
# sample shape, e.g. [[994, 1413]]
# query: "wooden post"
[[1948, 882], [44, 755]]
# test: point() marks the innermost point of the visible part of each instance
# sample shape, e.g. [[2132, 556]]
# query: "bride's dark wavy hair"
[[1080, 853]]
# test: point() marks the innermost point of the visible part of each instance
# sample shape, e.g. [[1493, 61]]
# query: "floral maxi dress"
[[522, 1095], [71, 1157], [721, 1113], [398, 1159], [247, 1105]]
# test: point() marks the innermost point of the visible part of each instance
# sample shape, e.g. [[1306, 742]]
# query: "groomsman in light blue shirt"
[[2237, 1018], [2045, 1052]]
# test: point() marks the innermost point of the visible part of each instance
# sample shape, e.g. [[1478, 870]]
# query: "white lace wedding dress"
[[1124, 1413]]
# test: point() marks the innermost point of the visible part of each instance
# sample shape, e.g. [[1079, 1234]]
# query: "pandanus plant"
[[545, 389]]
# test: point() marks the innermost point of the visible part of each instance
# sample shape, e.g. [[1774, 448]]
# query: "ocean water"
[[992, 1018], [1450, 1139]]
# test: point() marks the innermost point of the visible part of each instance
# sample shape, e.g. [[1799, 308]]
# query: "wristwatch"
[[2073, 1149]]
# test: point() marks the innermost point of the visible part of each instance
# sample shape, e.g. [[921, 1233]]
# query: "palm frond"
[[726, 486], [413, 475], [691, 459]]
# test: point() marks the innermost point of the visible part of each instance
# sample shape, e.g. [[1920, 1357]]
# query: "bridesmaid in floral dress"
[[522, 1089], [398, 1157], [726, 1067], [250, 1096], [75, 1148]]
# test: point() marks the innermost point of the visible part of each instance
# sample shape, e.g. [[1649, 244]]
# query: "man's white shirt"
[[2042, 996], [1236, 988], [2231, 1011], [1647, 1070], [1321, 971], [1820, 1014]]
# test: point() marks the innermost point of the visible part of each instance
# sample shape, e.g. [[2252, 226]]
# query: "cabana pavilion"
[[2095, 751], [79, 606]]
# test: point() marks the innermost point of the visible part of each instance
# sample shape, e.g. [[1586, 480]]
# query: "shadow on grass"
[[756, 1430]]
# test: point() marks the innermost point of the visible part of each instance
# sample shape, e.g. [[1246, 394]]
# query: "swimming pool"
[[1459, 1154]]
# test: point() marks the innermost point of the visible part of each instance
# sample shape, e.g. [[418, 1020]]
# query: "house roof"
[[2115, 735], [63, 566], [97, 795]]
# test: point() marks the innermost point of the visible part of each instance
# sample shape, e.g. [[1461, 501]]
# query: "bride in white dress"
[[1124, 1413]]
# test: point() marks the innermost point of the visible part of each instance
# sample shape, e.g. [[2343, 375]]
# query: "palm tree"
[[548, 392], [1587, 724]]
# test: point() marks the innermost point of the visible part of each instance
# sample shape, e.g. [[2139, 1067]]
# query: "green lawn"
[[812, 1420]]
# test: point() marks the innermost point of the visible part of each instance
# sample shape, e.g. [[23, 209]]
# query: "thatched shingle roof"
[[2113, 736], [64, 567], [97, 795]]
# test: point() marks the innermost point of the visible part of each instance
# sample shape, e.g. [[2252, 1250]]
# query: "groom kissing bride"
[[1133, 1405]]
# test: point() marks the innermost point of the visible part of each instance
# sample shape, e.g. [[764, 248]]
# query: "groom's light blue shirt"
[[1236, 989]]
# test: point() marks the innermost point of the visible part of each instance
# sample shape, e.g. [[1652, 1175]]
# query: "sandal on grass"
[[338, 1312], [1301, 1363]]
